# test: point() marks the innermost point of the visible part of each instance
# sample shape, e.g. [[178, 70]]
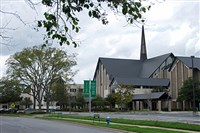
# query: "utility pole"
[[89, 96], [193, 89]]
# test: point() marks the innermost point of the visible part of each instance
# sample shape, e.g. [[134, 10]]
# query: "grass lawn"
[[173, 125], [115, 126]]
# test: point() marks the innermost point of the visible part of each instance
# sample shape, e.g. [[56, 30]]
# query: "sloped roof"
[[122, 67], [150, 65], [134, 72], [188, 61], [143, 81], [152, 96]]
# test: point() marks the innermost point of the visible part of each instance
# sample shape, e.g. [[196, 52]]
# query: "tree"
[[186, 92], [26, 101], [123, 95], [10, 90], [61, 19], [98, 102], [38, 66], [80, 101], [59, 92], [111, 100]]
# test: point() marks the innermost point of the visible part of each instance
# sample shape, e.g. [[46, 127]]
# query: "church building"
[[156, 82]]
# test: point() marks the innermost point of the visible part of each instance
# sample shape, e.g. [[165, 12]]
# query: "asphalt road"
[[30, 125]]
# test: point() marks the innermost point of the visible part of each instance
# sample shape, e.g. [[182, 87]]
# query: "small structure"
[[151, 101]]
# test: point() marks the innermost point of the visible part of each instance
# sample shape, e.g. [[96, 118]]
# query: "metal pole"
[[193, 89], [89, 96]]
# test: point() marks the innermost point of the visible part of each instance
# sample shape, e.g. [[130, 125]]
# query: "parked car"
[[8, 110], [2, 110], [28, 111]]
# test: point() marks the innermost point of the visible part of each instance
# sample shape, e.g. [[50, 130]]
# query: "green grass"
[[173, 125], [16, 115], [119, 127]]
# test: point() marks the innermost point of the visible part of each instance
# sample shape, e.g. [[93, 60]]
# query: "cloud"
[[171, 27]]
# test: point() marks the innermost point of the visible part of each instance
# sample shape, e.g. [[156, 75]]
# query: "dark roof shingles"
[[154, 95], [188, 61]]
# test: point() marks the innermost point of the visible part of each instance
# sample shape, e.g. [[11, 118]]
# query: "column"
[[137, 105], [133, 105], [141, 105], [159, 105], [170, 105]]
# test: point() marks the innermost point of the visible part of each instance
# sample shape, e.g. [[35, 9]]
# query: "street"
[[30, 125]]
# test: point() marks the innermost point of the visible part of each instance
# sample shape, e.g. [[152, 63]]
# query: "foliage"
[[61, 19], [186, 92], [59, 92], [98, 102], [80, 101], [123, 95], [26, 101], [110, 99], [37, 67], [10, 90]]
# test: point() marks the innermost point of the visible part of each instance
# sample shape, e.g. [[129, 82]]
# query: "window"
[[72, 90]]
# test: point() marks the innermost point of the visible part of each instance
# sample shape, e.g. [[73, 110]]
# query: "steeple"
[[143, 51]]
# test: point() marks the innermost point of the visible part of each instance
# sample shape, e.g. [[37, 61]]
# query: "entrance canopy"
[[151, 96]]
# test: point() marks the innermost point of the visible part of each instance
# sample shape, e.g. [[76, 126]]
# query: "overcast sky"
[[172, 26]]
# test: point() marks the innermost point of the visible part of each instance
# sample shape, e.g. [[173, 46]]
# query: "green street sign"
[[86, 88]]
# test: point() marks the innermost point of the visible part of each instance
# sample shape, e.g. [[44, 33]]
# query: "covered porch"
[[156, 101]]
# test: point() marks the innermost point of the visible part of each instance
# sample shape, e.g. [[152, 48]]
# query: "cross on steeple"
[[143, 51]]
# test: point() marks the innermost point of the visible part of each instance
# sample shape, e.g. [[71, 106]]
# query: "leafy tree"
[[10, 90], [59, 92], [80, 101], [111, 100], [61, 19], [186, 92], [123, 95], [38, 66], [98, 102], [26, 101]]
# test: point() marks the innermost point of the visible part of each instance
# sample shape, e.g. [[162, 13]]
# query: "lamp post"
[[193, 89]]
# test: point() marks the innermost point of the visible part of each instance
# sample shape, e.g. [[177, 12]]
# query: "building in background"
[[156, 81], [73, 90]]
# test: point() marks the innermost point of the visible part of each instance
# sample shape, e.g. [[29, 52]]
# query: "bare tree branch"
[[14, 14]]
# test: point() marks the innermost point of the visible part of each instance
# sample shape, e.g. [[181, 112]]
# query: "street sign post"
[[89, 90], [87, 85]]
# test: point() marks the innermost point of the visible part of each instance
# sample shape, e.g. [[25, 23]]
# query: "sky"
[[172, 26]]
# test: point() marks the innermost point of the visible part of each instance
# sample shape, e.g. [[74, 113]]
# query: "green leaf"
[[39, 24], [75, 22], [138, 4], [124, 9], [143, 9], [90, 13], [86, 6], [77, 29], [66, 28]]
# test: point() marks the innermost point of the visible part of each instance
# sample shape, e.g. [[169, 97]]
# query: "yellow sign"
[[12, 105]]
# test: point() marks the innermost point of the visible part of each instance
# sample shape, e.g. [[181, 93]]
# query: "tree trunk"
[[40, 105], [34, 102], [48, 99]]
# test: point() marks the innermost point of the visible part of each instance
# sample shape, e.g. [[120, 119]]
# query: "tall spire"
[[143, 51]]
